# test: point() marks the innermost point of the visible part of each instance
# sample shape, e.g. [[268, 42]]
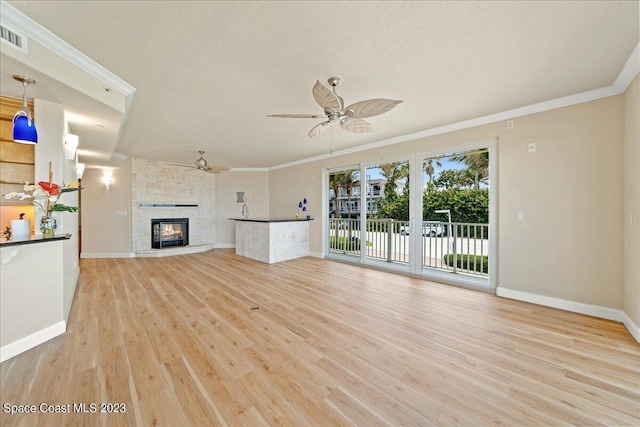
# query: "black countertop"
[[271, 219], [32, 239]]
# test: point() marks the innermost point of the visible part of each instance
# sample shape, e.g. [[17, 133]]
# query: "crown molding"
[[629, 71], [16, 19], [478, 121], [625, 77], [249, 170]]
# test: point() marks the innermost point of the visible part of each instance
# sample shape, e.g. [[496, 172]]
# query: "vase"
[[48, 226]]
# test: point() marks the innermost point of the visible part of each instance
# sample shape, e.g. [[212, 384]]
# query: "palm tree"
[[336, 181], [391, 172], [388, 169], [347, 181], [429, 169], [403, 173], [477, 163]]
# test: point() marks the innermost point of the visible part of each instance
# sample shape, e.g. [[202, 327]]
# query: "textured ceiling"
[[207, 73]]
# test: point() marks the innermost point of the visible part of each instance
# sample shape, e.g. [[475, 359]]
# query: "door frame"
[[490, 144], [415, 214]]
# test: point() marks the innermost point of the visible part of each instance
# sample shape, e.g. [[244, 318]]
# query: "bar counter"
[[272, 240], [25, 240]]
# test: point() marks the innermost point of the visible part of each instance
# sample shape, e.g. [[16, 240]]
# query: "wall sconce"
[[24, 130], [79, 170], [107, 179], [70, 146]]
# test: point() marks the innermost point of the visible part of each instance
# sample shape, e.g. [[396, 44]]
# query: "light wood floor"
[[215, 339]]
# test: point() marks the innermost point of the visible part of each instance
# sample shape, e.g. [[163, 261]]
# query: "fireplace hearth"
[[169, 232]]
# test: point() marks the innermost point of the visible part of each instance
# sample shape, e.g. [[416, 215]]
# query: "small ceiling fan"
[[202, 165], [349, 118]]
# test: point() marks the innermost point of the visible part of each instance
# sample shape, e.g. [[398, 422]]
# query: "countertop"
[[32, 239], [271, 219]]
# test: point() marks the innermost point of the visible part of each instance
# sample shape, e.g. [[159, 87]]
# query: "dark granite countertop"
[[271, 219], [33, 239]]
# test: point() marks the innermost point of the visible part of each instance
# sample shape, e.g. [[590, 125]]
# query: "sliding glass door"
[[344, 212], [387, 219], [431, 214]]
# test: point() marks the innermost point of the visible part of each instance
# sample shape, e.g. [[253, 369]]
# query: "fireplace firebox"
[[169, 232]]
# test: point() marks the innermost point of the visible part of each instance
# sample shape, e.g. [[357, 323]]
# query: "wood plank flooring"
[[215, 339]]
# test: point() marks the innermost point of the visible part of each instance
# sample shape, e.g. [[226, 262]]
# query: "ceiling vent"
[[15, 39]]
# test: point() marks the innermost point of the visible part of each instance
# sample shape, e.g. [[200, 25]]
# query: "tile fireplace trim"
[[181, 250]]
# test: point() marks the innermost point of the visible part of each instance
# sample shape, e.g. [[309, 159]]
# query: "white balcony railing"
[[456, 247]]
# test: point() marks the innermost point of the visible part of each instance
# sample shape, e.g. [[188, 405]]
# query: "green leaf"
[[63, 208]]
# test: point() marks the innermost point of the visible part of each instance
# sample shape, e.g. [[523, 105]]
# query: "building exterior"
[[348, 206]]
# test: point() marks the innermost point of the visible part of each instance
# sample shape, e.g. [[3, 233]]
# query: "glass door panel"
[[344, 212], [387, 212], [455, 212]]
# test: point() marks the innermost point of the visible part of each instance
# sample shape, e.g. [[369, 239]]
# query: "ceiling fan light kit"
[[349, 118]]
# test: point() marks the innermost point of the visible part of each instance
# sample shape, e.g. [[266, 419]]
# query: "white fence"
[[457, 247]]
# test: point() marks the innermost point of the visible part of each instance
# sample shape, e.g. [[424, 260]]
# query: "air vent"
[[15, 39]]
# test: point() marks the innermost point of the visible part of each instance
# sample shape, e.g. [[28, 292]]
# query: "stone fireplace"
[[169, 232], [162, 191]]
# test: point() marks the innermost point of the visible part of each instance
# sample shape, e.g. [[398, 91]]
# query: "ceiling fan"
[[350, 118], [202, 165]]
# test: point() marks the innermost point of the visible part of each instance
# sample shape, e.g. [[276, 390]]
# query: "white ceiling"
[[206, 74]]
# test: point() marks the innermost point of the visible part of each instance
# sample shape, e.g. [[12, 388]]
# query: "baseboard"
[[107, 255], [316, 254], [563, 304], [225, 246], [573, 306], [23, 344], [632, 327]]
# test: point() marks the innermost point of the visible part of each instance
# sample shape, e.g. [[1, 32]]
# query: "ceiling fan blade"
[[179, 164], [217, 169], [357, 126], [297, 116], [325, 97], [372, 107], [319, 128]]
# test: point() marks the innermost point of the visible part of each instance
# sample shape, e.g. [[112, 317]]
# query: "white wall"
[[106, 234], [631, 213], [106, 214], [51, 125], [255, 185], [569, 245]]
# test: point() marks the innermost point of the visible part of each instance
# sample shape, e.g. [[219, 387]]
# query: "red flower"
[[52, 189]]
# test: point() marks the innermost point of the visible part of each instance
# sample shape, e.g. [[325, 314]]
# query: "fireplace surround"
[[169, 232]]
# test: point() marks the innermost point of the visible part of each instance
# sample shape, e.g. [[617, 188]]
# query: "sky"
[[375, 173]]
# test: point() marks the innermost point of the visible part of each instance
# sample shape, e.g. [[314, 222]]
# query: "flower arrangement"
[[46, 196]]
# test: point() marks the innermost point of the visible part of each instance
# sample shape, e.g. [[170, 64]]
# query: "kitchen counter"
[[272, 240], [271, 219], [25, 240]]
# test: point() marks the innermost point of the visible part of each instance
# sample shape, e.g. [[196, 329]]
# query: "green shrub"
[[346, 244], [466, 262]]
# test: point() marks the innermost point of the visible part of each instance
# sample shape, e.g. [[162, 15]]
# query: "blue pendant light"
[[24, 130]]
